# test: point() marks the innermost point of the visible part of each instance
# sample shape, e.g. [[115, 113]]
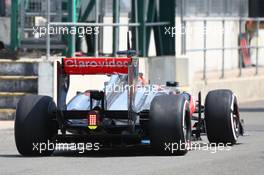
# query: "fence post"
[[240, 49], [48, 35], [14, 25], [257, 48], [223, 49], [96, 21], [183, 29], [204, 49], [116, 16], [72, 18]]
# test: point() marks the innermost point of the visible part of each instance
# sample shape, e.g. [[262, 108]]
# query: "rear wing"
[[95, 66], [101, 65], [91, 66]]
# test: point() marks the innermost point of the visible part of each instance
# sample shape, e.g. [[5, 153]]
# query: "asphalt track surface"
[[246, 157]]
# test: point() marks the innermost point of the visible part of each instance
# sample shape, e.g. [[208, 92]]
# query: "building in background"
[[213, 8]]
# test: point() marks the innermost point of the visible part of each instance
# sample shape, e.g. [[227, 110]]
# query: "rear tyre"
[[170, 125], [34, 127], [222, 117]]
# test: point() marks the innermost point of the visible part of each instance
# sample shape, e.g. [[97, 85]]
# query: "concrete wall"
[[46, 78], [162, 69], [5, 30], [246, 88], [168, 68]]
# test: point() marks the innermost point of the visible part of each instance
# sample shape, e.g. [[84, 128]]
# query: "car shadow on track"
[[108, 152], [132, 151]]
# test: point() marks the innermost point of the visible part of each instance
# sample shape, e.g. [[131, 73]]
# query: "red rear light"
[[93, 119]]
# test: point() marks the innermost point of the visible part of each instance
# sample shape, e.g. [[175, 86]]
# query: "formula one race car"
[[137, 114]]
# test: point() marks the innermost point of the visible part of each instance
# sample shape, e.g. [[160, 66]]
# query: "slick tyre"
[[35, 125], [222, 117], [170, 125]]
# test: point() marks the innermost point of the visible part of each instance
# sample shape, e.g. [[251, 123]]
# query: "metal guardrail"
[[79, 24], [206, 49], [94, 24], [116, 25]]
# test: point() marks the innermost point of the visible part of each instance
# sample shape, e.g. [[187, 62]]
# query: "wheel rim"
[[234, 118], [235, 123], [185, 127]]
